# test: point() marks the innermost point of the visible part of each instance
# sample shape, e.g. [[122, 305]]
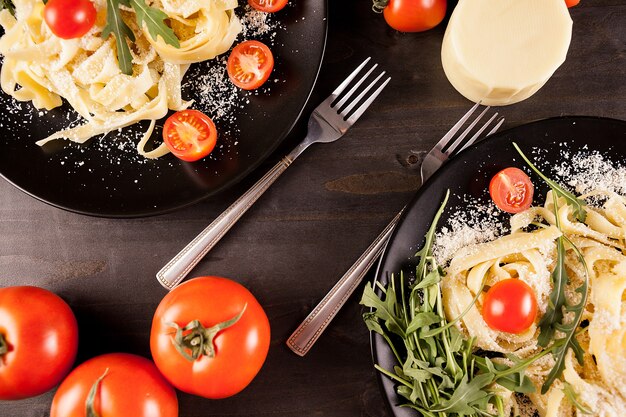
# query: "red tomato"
[[250, 64], [233, 325], [571, 3], [510, 306], [269, 6], [189, 134], [69, 19], [511, 190], [414, 15], [38, 341], [125, 385]]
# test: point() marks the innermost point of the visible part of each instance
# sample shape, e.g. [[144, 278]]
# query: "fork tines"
[[460, 143], [345, 105]]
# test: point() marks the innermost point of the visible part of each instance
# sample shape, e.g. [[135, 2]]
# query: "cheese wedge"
[[501, 52]]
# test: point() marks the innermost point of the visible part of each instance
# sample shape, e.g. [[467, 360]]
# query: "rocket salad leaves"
[[154, 20], [439, 372]]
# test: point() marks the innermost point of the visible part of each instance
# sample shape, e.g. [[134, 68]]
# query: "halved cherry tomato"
[[69, 19], [510, 306], [511, 190], [414, 15], [115, 385], [189, 134], [38, 341], [269, 6], [250, 64], [210, 337], [571, 3]]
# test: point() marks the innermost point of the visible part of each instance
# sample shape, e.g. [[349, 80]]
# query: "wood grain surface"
[[303, 234]]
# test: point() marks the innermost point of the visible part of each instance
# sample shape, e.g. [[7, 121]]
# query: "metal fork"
[[328, 122], [316, 322]]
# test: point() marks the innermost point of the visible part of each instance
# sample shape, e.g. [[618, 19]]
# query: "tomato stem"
[[195, 340], [90, 410], [379, 5], [4, 346]]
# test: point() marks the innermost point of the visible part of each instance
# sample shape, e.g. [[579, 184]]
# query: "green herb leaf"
[[116, 26], [7, 4], [572, 397], [427, 251], [577, 204], [554, 311], [422, 319], [382, 310], [468, 392], [154, 20]]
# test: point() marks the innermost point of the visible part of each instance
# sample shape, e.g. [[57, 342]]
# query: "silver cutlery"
[[328, 122], [316, 322]]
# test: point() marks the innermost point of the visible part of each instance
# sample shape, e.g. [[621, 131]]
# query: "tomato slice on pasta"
[[189, 134], [269, 6], [511, 190], [250, 64]]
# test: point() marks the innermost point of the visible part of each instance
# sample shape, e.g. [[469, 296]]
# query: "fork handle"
[[178, 268], [316, 322]]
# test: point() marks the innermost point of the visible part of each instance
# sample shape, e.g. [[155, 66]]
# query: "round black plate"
[[469, 174], [105, 177]]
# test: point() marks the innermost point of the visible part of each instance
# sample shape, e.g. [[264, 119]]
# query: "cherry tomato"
[[511, 190], [510, 306], [571, 3], [250, 64], [38, 341], [189, 134], [414, 15], [232, 325], [69, 19], [124, 385], [269, 6]]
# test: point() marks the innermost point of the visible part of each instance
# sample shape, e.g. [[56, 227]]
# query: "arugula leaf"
[[572, 397], [7, 4], [154, 20], [383, 310], [569, 329], [554, 311], [116, 26], [577, 204], [466, 393]]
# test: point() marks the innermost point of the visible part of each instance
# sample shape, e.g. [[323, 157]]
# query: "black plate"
[[469, 174], [105, 177]]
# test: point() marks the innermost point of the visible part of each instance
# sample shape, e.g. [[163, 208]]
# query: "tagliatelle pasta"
[[42, 68], [599, 384]]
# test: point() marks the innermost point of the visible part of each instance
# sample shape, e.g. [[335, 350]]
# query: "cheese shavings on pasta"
[[529, 254], [42, 68]]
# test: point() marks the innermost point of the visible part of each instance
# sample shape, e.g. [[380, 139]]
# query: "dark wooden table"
[[293, 245]]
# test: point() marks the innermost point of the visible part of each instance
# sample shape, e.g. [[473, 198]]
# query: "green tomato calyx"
[[194, 340]]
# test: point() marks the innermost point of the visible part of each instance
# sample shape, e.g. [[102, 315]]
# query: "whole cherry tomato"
[[38, 341], [510, 306], [571, 3], [511, 190], [189, 134], [69, 19], [115, 385], [414, 15], [210, 337]]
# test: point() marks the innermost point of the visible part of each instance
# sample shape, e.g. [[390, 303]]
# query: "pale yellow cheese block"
[[501, 52]]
